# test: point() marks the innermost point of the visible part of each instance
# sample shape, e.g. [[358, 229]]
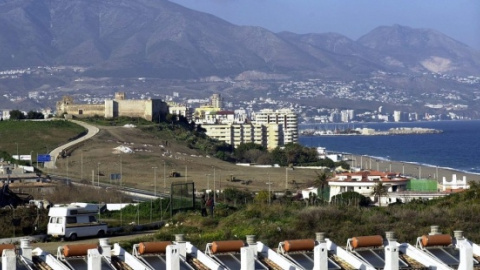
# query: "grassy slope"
[[36, 136]]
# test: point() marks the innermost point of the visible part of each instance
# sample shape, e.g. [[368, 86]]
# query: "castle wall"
[[147, 109], [85, 110], [131, 108]]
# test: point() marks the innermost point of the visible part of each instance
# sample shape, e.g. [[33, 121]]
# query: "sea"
[[457, 147]]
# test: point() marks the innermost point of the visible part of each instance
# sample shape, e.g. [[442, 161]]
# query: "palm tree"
[[321, 181], [379, 190]]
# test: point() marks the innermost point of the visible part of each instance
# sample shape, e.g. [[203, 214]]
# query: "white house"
[[363, 182]]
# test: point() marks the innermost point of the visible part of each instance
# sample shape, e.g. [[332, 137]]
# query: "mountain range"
[[158, 38]]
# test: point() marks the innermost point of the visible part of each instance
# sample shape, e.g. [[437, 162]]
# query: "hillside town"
[[382, 102]]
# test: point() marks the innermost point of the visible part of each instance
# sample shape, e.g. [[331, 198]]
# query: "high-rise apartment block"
[[286, 120], [269, 128]]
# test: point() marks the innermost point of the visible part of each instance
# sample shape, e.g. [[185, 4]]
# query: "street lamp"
[[31, 159]]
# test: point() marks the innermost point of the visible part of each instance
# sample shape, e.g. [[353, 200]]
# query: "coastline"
[[408, 168]]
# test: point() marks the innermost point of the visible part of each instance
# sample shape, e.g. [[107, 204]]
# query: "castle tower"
[[120, 96]]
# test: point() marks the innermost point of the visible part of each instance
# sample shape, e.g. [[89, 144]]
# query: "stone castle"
[[148, 109]]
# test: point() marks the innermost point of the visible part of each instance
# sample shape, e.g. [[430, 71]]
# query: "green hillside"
[[36, 136]]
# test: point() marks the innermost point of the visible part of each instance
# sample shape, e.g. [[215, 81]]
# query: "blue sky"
[[459, 19]]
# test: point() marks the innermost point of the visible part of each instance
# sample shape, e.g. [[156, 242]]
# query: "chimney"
[[9, 259], [105, 249], [94, 259], [181, 245], [320, 253], [26, 249], [391, 252], [320, 237], [252, 245], [466, 251], [251, 240], [247, 261], [458, 235], [434, 230], [173, 258], [390, 235]]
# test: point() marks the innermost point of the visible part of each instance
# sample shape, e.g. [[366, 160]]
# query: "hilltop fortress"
[[269, 128], [148, 109]]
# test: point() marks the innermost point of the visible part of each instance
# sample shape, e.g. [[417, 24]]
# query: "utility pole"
[[67, 168], [18, 157], [214, 190], [164, 179], [81, 165], [269, 190], [286, 178], [155, 181], [98, 173]]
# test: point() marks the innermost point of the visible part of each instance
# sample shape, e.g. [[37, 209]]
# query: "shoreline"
[[413, 169]]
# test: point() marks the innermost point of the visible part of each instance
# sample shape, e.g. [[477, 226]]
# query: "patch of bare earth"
[[138, 168]]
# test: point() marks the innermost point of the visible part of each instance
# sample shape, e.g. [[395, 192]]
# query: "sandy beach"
[[410, 169]]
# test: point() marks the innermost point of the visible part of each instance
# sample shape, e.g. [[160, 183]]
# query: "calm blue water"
[[458, 147]]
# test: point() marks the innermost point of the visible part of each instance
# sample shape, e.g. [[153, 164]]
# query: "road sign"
[[115, 176], [44, 158]]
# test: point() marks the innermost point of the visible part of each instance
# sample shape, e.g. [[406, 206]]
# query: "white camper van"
[[75, 220]]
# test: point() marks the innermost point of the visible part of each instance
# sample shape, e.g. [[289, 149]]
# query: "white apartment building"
[[236, 134], [347, 115], [286, 120], [178, 109], [397, 116]]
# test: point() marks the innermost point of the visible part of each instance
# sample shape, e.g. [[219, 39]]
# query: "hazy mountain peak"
[[163, 39]]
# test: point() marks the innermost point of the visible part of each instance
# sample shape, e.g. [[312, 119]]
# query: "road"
[[91, 131]]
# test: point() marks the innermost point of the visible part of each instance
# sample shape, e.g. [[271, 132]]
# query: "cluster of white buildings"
[[395, 185], [269, 128]]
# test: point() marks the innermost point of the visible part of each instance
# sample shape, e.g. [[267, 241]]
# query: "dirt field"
[[138, 170]]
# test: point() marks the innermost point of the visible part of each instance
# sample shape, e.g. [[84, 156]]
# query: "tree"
[[262, 197], [35, 115], [351, 198], [16, 115], [321, 181], [243, 148], [379, 190]]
